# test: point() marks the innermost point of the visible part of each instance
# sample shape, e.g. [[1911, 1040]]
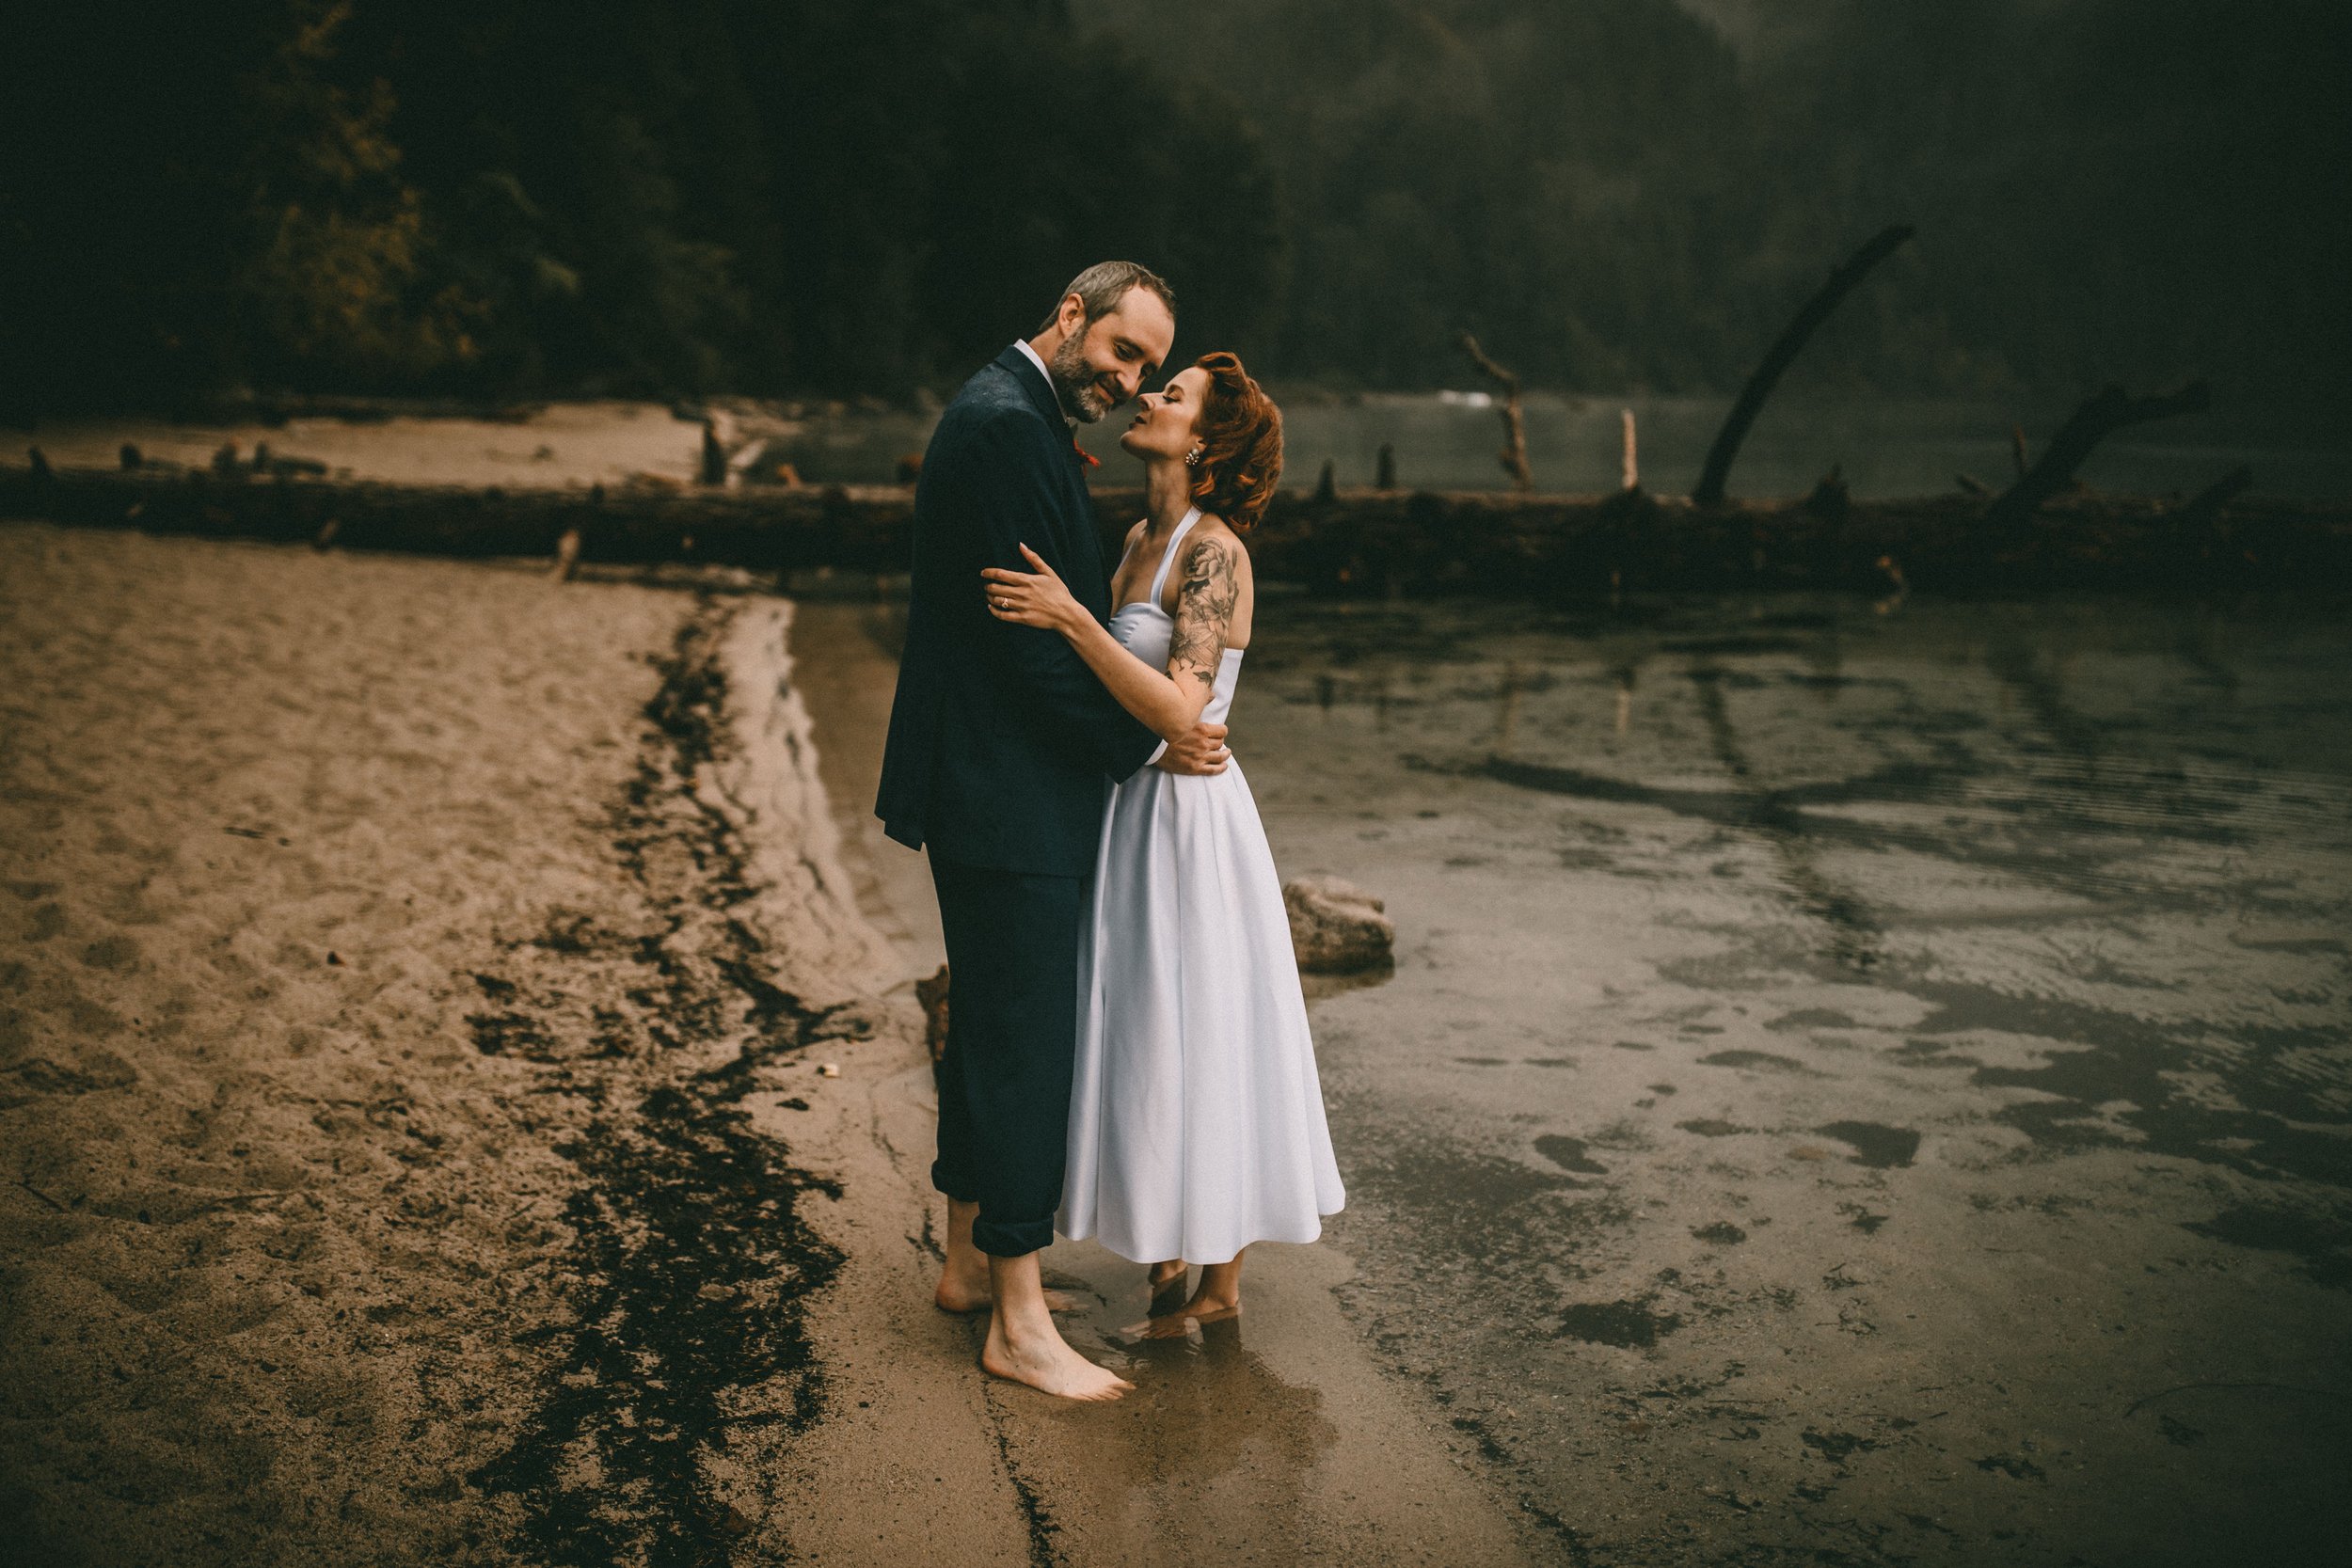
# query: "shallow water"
[[1841, 1057]]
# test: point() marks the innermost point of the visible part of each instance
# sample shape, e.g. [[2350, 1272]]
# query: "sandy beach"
[[348, 897], [418, 976], [1799, 554]]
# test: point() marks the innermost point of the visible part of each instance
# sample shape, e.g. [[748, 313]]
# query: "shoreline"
[[433, 1164]]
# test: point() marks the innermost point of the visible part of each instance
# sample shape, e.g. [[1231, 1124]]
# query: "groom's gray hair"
[[1101, 286]]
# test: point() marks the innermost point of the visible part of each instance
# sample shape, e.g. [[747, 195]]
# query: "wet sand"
[[1860, 1084]]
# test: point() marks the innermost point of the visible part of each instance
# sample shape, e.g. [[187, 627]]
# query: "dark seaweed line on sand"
[[689, 1263], [1034, 1513]]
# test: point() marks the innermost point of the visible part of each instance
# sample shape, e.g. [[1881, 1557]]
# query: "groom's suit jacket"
[[1002, 741]]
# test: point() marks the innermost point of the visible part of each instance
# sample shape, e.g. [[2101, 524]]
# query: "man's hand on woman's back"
[[1202, 752]]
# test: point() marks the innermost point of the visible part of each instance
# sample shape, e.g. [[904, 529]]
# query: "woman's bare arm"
[[1169, 701], [1204, 615]]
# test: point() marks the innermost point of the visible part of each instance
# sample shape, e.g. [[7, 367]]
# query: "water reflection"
[[1213, 1449]]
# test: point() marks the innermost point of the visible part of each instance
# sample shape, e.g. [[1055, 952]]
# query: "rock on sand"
[[1336, 926]]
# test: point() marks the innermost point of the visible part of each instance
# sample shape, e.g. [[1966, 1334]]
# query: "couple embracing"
[[1127, 1053]]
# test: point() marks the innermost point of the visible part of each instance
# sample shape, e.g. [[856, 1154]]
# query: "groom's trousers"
[[1012, 1040]]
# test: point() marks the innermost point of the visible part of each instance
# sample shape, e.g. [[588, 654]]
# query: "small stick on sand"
[[566, 555], [39, 1194]]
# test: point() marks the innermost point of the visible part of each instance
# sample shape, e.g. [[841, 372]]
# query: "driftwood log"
[[1717, 473], [1351, 542], [765, 528]]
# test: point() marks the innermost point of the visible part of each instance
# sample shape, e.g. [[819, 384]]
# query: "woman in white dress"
[[1196, 1120]]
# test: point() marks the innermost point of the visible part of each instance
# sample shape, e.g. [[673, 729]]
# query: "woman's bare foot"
[[1203, 1308], [1217, 1298], [1166, 1287]]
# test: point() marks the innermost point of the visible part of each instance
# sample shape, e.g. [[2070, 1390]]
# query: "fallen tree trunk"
[[780, 530], [1354, 541], [1717, 473]]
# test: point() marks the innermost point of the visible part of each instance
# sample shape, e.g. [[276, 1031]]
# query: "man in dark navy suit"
[[1002, 748]]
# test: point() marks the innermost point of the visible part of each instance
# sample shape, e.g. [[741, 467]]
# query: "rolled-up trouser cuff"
[[1011, 1240], [940, 1182]]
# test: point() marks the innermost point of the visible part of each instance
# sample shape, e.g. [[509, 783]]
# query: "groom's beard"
[[1082, 396]]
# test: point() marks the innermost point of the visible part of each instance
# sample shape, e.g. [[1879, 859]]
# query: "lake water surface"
[[1864, 1080]]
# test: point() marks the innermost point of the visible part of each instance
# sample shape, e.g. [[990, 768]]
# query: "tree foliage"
[[1618, 193], [634, 196], [507, 197]]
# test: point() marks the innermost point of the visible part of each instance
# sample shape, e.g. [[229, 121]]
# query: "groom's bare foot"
[[1049, 1365], [963, 1272], [959, 1294], [961, 1290]]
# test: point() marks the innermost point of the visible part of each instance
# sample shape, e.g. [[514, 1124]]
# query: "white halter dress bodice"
[[1145, 630], [1196, 1118]]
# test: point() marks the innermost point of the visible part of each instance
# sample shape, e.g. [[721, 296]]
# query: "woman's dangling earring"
[[1192, 458]]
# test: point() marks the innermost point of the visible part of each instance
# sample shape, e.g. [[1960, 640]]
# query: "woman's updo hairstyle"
[[1240, 432]]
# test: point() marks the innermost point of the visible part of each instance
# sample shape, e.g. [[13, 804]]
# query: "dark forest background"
[[502, 197]]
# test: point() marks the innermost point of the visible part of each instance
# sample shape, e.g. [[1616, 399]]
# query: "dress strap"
[[1159, 579]]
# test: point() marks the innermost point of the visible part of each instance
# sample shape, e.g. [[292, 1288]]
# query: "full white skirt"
[[1196, 1120]]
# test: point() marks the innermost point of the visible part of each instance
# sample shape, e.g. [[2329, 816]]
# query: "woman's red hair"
[[1240, 432]]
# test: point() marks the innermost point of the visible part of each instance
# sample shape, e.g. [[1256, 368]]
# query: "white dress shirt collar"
[[1023, 344]]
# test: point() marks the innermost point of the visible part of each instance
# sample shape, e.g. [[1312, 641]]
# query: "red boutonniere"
[[1088, 458]]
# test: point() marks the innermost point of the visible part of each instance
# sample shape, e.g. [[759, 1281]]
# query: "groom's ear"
[[1071, 317]]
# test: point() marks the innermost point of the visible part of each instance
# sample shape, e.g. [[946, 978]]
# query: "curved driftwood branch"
[[1782, 355], [2092, 423]]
